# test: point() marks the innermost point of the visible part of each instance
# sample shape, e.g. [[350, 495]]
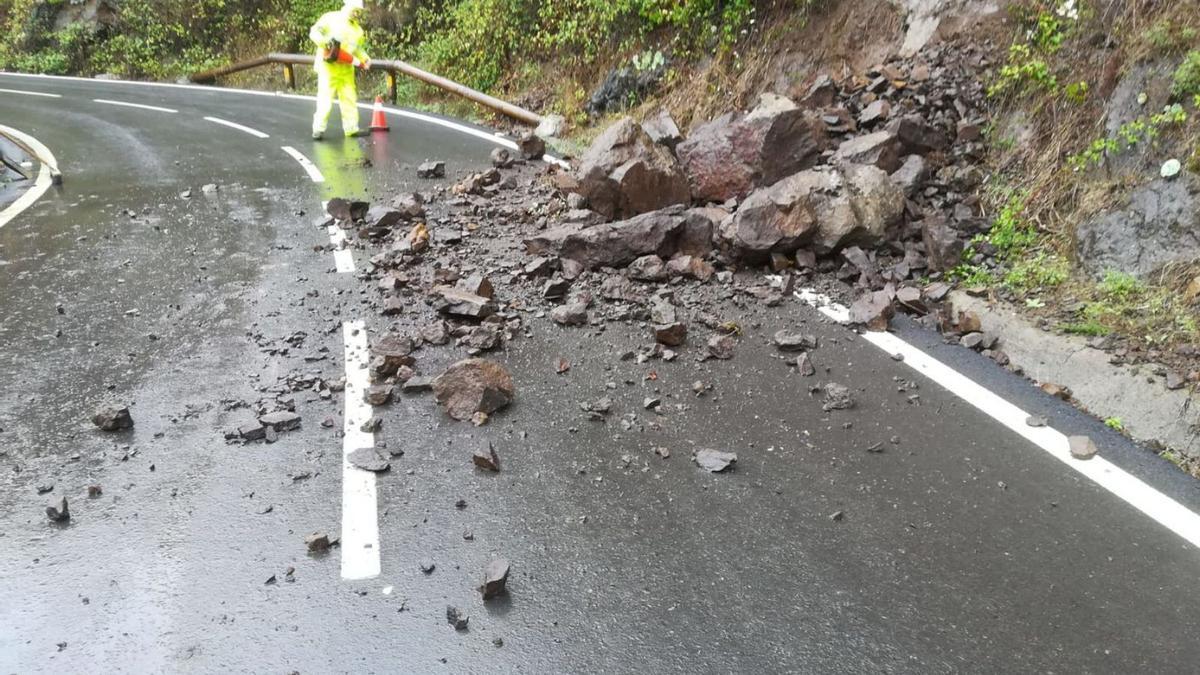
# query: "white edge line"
[[141, 106], [471, 131], [43, 181], [1154, 504], [30, 93], [343, 258], [360, 515], [313, 172], [234, 125]]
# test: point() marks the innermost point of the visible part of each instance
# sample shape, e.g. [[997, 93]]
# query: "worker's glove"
[[365, 63], [331, 51]]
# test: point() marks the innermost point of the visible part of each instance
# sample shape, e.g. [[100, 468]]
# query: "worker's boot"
[[318, 135], [359, 133]]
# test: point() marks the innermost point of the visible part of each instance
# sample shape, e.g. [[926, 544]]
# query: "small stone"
[[1175, 380], [837, 515], [1036, 421], [501, 158], [43, 489], [94, 491], [283, 420], [485, 457], [1082, 447], [721, 346], [427, 566], [671, 334], [372, 425], [972, 341], [59, 512], [431, 170], [379, 394], [837, 397], [317, 542], [789, 341], [456, 618], [1056, 390], [571, 314], [113, 418], [368, 459], [714, 461], [804, 365], [495, 579], [417, 384]]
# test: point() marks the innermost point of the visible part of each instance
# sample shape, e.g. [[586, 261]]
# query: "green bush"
[[1186, 82]]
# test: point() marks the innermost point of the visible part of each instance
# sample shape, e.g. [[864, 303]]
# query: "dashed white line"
[[360, 521], [44, 180], [343, 258], [142, 106], [30, 93], [234, 125], [1159, 507], [313, 172]]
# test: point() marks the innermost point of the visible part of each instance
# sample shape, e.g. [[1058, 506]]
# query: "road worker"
[[339, 50]]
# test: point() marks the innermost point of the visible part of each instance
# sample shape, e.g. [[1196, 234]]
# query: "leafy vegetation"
[[1186, 80], [1140, 131]]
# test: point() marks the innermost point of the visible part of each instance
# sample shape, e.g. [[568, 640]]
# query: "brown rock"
[[486, 458], [731, 156], [495, 579], [473, 386], [620, 243], [672, 334], [943, 247], [873, 310], [880, 149], [625, 173], [721, 346]]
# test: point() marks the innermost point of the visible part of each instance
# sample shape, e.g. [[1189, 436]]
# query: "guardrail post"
[[289, 76], [391, 84]]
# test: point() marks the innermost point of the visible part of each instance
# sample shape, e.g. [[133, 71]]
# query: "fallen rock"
[[431, 170], [574, 313], [804, 365], [495, 579], [837, 397], [379, 394], [111, 418], [873, 310], [416, 385], [1082, 447], [721, 346], [625, 173], [869, 204], [782, 217], [1036, 421], [661, 129], [880, 149], [943, 247], [647, 268], [59, 512], [318, 542], [368, 459], [501, 158], [473, 386], [283, 420], [714, 461], [731, 156], [531, 146], [485, 457], [917, 136], [458, 302], [789, 341], [619, 244], [455, 617], [671, 334], [692, 267], [346, 210]]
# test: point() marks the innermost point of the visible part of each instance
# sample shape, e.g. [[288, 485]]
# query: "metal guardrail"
[[290, 61], [36, 151]]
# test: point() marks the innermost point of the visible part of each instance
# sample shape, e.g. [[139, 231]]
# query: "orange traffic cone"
[[378, 118]]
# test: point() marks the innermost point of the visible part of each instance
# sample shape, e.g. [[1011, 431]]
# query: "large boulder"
[[876, 203], [783, 217], [625, 173], [620, 243], [731, 156], [824, 209], [473, 386]]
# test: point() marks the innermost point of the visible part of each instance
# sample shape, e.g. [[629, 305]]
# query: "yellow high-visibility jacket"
[[337, 26]]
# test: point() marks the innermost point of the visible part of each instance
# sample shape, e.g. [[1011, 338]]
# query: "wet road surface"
[[960, 547]]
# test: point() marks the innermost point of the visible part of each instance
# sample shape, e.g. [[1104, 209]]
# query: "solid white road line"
[[1159, 507], [313, 172], [360, 521], [141, 106], [40, 184], [343, 258], [234, 125], [29, 93]]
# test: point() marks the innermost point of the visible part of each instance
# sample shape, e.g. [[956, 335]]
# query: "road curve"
[[959, 547]]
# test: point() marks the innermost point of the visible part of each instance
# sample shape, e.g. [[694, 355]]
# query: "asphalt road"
[[961, 547]]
